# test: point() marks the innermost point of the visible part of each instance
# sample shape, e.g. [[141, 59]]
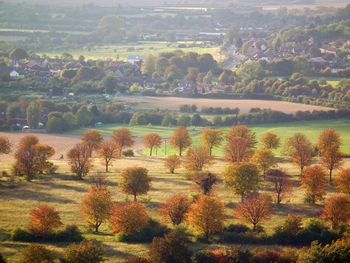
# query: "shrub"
[[22, 235], [154, 229], [128, 153], [37, 254], [2, 259], [137, 260], [70, 233], [85, 252]]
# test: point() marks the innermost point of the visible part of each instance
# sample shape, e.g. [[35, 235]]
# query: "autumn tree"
[[197, 158], [96, 206], [211, 138], [343, 181], [88, 251], [5, 145], [204, 181], [79, 160], [270, 141], [180, 139], [299, 148], [314, 182], [44, 220], [170, 249], [240, 144], [108, 152], [129, 218], [92, 139], [172, 162], [122, 138], [329, 144], [135, 181], [43, 152], [264, 160], [207, 215], [31, 157], [337, 210], [33, 114], [282, 185], [243, 179], [175, 209], [254, 209], [151, 141]]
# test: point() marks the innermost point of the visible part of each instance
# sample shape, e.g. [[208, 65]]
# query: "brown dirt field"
[[61, 143], [173, 103]]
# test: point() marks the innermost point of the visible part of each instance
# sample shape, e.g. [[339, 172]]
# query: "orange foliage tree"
[[337, 210], [108, 152], [270, 141], [211, 138], [122, 138], [96, 206], [315, 183], [343, 181], [180, 139], [197, 158], [172, 162], [299, 148], [254, 209], [31, 157], [240, 144], [207, 215], [282, 185], [129, 218], [175, 209], [329, 144], [92, 140], [79, 160], [151, 141], [44, 221], [5, 145], [135, 181]]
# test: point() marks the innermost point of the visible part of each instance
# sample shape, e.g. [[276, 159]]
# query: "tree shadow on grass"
[[303, 210], [34, 195]]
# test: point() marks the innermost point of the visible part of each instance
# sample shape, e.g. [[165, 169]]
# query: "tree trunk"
[[150, 151], [330, 174], [106, 167], [135, 198]]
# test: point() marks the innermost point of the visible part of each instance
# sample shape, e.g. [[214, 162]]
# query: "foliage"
[[207, 215], [129, 218], [122, 138], [315, 183], [5, 145], [343, 181], [270, 141], [170, 248], [197, 158], [88, 251], [180, 139], [151, 141], [337, 210], [264, 160], [38, 254], [92, 139], [242, 178], [96, 206], [108, 152], [44, 220], [135, 181], [254, 209], [175, 209], [172, 162], [282, 184], [79, 160]]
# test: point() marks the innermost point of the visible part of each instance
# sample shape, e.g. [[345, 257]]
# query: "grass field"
[[65, 193], [123, 52], [311, 129]]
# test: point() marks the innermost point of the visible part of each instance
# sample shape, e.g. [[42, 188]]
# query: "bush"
[[37, 254], [85, 252], [154, 229], [128, 153], [237, 228], [71, 233], [137, 260]]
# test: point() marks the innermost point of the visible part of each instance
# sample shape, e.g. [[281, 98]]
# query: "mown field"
[[64, 192], [142, 50], [311, 129]]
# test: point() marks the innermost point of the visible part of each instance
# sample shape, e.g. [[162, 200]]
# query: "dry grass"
[[65, 193], [174, 103]]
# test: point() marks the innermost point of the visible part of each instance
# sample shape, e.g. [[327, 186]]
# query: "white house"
[[15, 75]]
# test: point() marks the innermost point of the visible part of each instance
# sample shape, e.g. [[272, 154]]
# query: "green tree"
[[33, 114], [243, 179], [83, 117]]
